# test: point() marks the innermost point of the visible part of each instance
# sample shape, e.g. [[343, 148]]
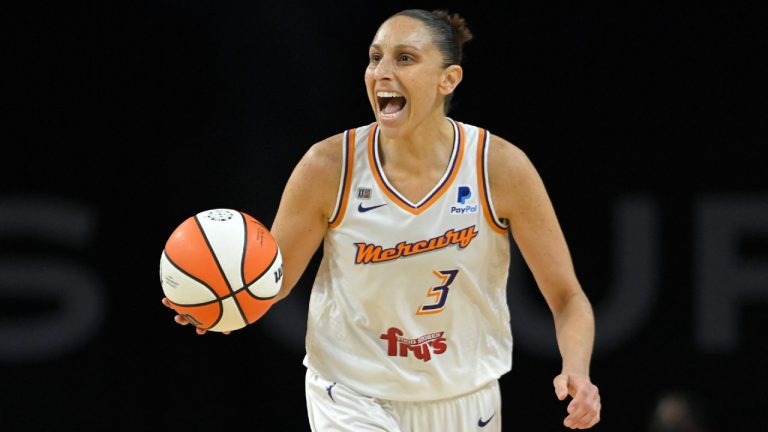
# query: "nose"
[[384, 69]]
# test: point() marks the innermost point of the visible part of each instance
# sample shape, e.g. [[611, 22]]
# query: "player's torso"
[[413, 286]]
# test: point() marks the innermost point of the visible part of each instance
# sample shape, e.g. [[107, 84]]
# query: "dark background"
[[123, 119]]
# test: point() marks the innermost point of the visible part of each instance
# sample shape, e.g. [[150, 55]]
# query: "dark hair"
[[449, 33]]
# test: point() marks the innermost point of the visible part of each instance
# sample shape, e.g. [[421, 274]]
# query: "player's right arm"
[[307, 204]]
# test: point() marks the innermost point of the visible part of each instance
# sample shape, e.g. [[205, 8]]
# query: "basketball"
[[221, 269]]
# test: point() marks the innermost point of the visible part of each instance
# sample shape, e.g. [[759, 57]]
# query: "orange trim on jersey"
[[484, 191], [346, 182], [435, 195]]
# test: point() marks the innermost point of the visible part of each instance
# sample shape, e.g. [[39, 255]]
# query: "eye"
[[405, 57], [375, 57]]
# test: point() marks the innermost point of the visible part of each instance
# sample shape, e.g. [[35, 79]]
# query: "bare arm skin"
[[306, 205], [519, 195], [301, 221]]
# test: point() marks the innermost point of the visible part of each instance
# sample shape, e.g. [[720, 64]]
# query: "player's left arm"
[[519, 196]]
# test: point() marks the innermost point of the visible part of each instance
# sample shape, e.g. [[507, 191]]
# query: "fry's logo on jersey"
[[371, 252], [397, 345]]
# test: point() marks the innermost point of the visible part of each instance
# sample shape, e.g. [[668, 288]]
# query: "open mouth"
[[390, 102]]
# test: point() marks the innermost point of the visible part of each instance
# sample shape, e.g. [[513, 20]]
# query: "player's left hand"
[[584, 408]]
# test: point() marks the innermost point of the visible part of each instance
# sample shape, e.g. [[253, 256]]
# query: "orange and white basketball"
[[221, 269]]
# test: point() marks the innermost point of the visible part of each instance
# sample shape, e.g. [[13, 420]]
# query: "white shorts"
[[334, 407]]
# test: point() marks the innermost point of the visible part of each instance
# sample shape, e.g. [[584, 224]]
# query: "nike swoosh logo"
[[329, 389], [362, 209], [482, 423]]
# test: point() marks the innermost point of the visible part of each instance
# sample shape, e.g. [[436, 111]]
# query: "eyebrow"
[[399, 47]]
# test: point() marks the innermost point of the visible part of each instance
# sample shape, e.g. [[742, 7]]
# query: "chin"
[[390, 131]]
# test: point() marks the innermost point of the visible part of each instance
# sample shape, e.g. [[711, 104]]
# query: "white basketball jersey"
[[409, 302]]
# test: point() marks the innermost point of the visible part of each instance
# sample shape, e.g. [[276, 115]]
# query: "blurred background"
[[647, 124]]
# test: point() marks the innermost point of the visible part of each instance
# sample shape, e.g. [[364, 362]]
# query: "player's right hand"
[[183, 321]]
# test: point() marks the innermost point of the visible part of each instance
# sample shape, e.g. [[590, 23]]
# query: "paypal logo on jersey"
[[463, 195]]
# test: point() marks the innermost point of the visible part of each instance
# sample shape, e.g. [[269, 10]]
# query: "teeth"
[[388, 94]]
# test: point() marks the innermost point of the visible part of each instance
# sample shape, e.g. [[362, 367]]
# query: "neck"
[[429, 142]]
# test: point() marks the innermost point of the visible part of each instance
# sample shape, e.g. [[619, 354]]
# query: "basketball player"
[[408, 326]]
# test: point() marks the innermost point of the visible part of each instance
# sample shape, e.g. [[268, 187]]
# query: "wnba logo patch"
[[364, 193], [463, 201]]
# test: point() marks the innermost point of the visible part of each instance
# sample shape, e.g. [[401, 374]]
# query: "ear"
[[450, 79]]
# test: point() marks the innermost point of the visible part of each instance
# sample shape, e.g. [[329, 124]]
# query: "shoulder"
[[321, 164], [506, 160], [325, 155], [317, 176], [511, 175], [501, 153]]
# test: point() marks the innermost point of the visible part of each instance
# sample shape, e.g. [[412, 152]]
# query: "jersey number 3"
[[439, 292]]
